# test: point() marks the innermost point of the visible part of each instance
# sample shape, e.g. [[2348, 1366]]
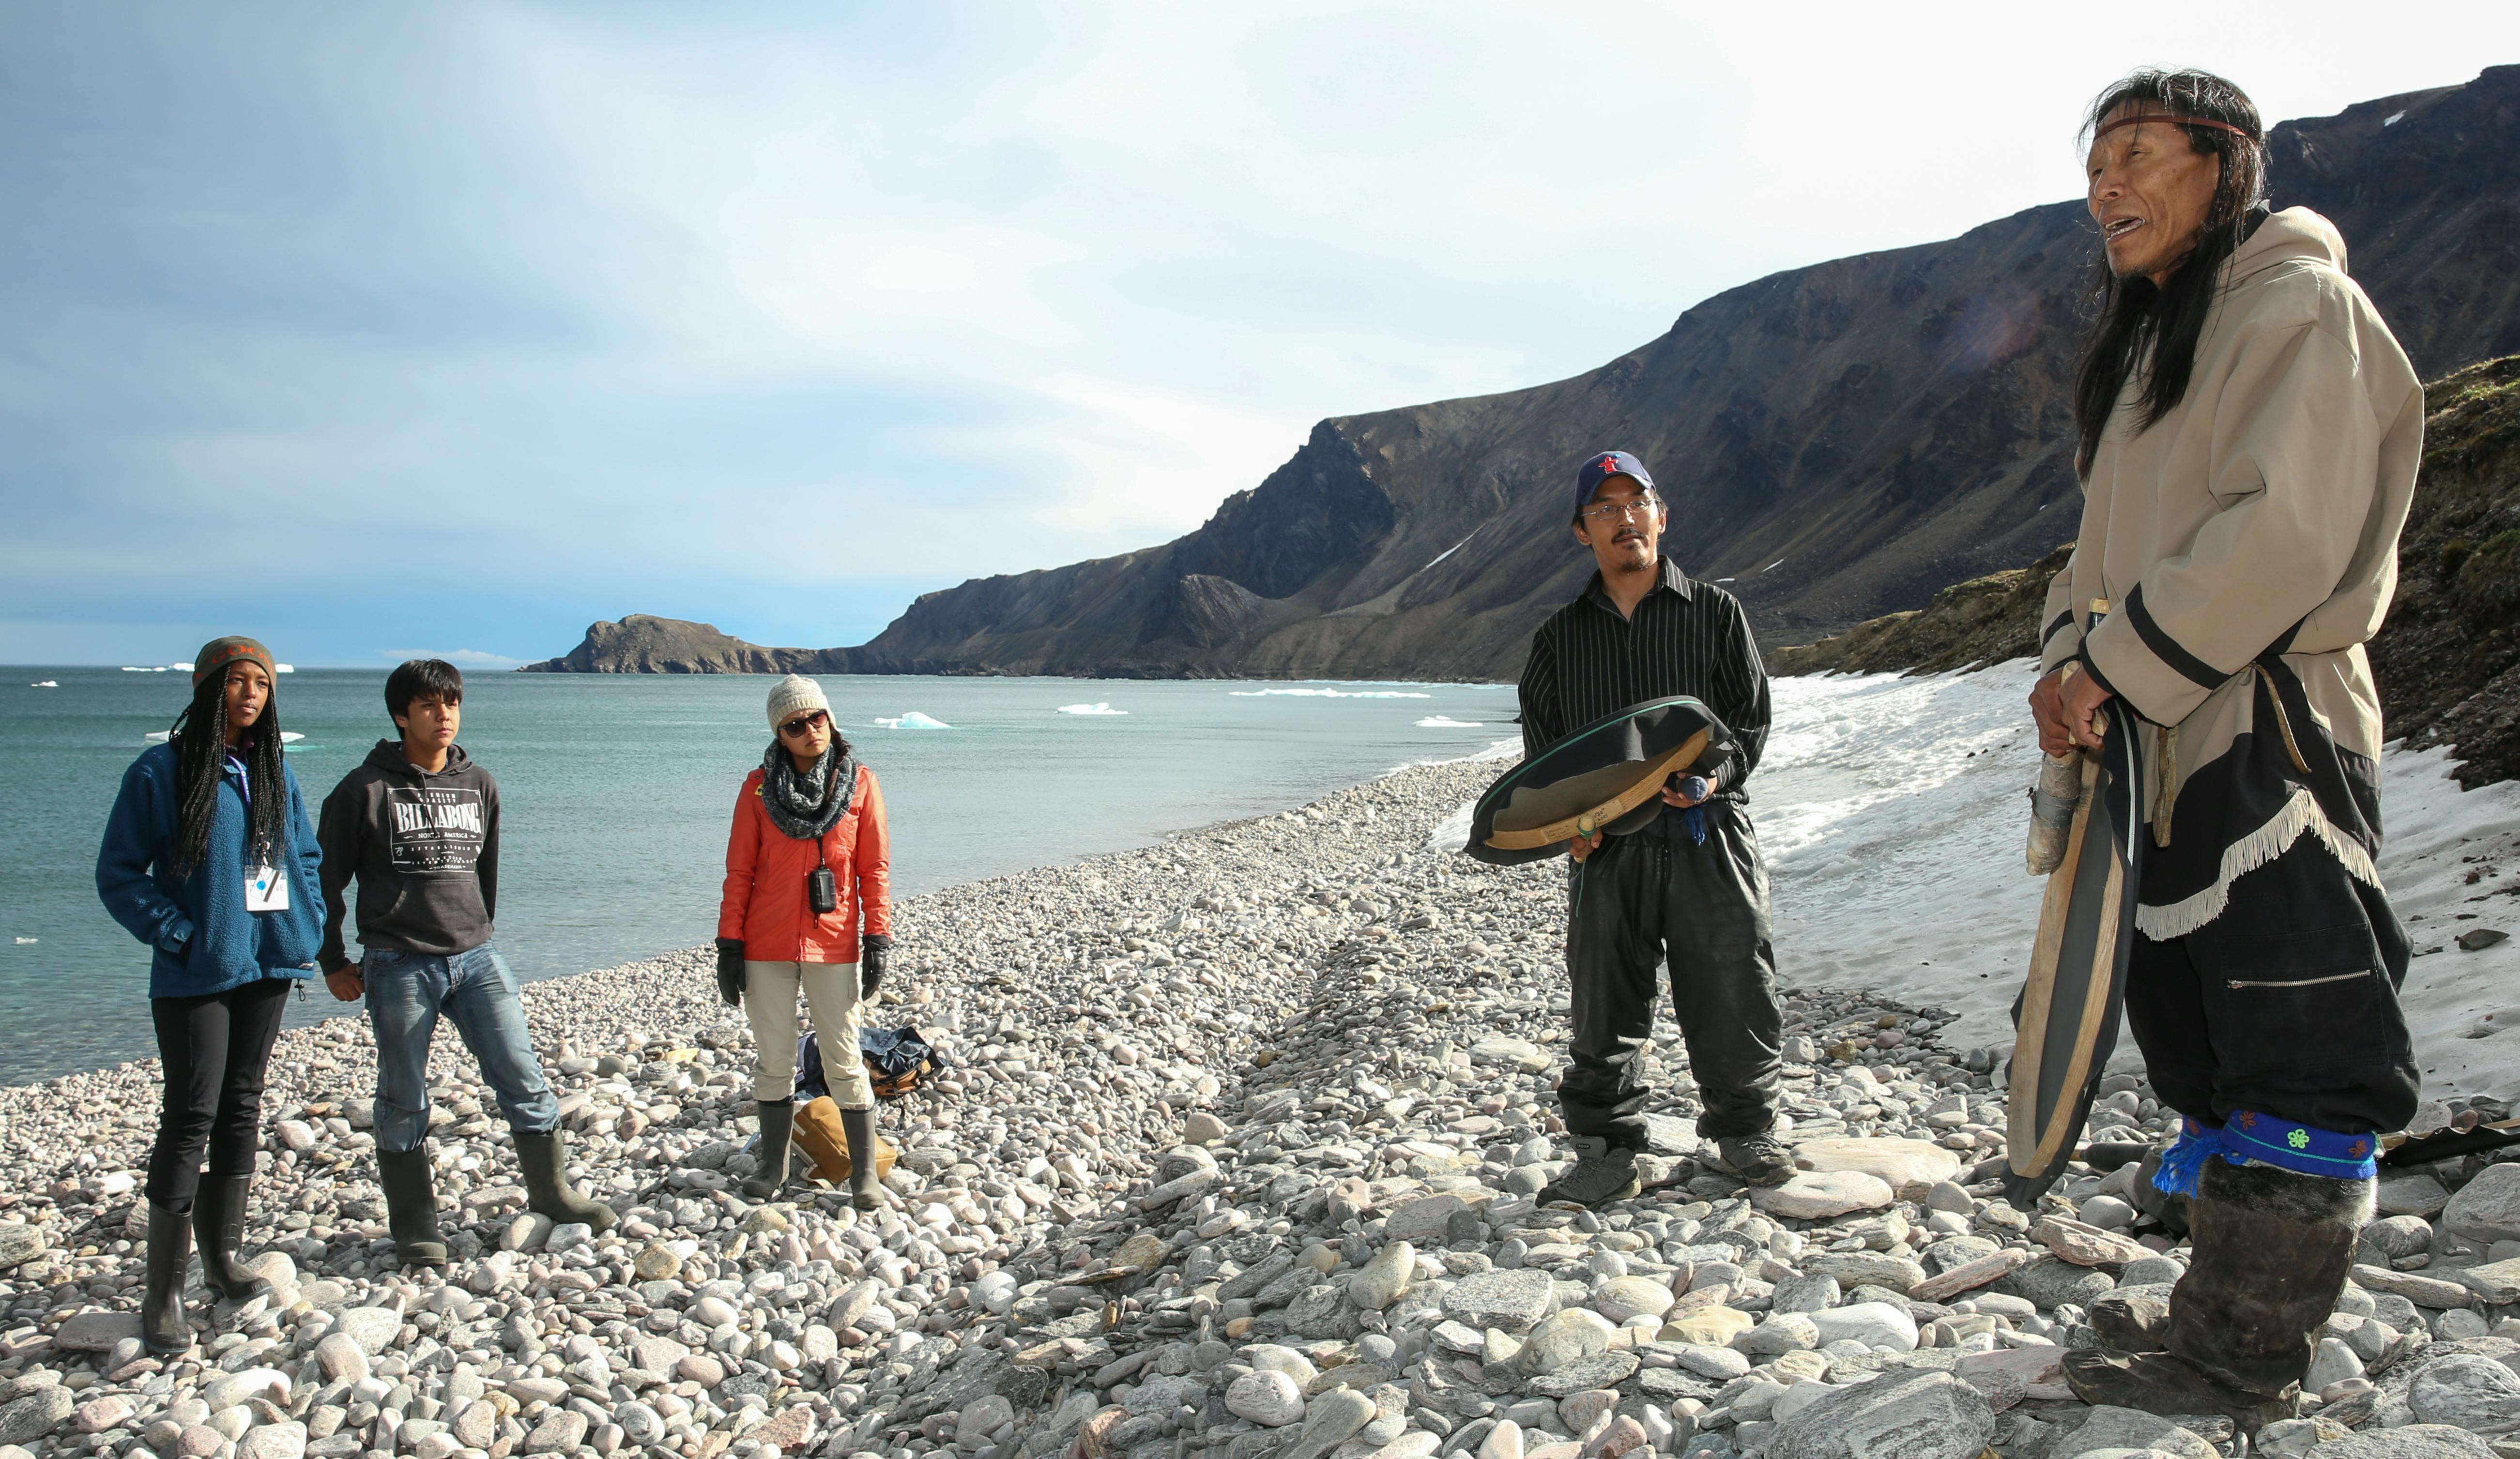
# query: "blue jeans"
[[406, 992]]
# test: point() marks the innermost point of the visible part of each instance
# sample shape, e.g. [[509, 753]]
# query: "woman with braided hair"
[[210, 860]]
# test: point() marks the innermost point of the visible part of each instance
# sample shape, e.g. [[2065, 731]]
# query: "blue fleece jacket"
[[205, 938]]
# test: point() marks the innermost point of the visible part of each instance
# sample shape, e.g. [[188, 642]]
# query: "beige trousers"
[[770, 1003]]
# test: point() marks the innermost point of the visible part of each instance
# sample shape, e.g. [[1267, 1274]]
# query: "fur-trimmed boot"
[[219, 1225], [866, 1185], [164, 1329], [543, 1157], [770, 1157], [411, 1204], [2271, 1250]]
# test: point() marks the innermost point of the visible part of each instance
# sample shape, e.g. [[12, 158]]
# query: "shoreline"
[[1237, 1131]]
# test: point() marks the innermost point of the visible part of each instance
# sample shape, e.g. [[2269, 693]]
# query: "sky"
[[450, 328]]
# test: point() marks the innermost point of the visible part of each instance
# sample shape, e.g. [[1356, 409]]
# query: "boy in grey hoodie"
[[417, 826]]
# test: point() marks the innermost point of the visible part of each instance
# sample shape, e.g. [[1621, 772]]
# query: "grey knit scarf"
[[805, 805]]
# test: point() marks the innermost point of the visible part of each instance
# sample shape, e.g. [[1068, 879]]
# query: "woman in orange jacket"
[[804, 860]]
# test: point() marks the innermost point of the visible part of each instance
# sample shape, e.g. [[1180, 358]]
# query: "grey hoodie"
[[425, 848]]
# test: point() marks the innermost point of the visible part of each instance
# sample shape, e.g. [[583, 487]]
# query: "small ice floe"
[[26, 942], [283, 668], [157, 736], [290, 736], [286, 736], [1311, 694], [913, 721], [1097, 707], [140, 669], [45, 684], [1447, 721], [186, 666]]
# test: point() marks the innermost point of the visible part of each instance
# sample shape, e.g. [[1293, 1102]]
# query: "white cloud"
[[652, 309]]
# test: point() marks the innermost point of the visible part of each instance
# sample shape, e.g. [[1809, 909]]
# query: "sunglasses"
[[798, 727]]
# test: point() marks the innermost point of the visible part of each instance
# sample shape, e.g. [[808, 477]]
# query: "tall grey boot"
[[866, 1187], [2270, 1253], [543, 1156], [164, 1329], [219, 1222], [411, 1204], [770, 1157]]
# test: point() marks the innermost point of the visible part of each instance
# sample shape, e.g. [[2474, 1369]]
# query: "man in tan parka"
[[2249, 437]]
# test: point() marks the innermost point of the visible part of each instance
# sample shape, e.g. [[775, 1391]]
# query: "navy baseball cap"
[[1601, 469]]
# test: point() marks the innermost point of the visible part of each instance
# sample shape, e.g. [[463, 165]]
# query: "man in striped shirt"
[[1690, 887]]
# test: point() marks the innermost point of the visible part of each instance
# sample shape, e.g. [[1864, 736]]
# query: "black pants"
[[214, 1048], [1658, 896], [2286, 1003]]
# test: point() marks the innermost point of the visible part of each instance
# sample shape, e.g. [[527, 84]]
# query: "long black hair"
[[2155, 329], [199, 737]]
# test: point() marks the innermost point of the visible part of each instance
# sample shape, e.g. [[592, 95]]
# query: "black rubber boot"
[[411, 1205], [163, 1330], [770, 1157], [218, 1224], [544, 1159], [2271, 1250], [1601, 1172], [866, 1184]]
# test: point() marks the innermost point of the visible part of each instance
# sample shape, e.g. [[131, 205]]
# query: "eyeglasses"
[[796, 726], [1641, 508]]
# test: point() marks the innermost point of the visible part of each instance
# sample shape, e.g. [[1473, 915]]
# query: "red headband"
[[2184, 121]]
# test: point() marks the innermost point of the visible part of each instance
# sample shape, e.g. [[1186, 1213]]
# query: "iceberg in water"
[[45, 684], [913, 721], [1310, 693], [286, 736], [1097, 707], [1447, 721], [284, 667]]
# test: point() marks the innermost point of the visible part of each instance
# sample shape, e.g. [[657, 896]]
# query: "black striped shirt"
[[1686, 638]]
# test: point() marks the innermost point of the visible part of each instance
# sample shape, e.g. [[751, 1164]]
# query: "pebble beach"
[[1233, 1158]]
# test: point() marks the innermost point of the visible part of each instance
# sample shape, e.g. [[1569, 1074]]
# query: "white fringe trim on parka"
[[2300, 814]]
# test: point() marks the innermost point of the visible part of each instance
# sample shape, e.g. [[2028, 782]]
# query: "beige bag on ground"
[[819, 1134]]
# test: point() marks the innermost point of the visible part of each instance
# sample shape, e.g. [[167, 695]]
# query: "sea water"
[[618, 790]]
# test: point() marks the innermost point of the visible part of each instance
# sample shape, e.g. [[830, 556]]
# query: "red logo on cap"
[[1608, 462]]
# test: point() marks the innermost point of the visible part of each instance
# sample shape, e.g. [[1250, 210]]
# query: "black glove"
[[729, 970], [874, 950]]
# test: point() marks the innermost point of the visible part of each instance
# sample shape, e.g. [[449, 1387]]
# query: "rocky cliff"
[[2448, 659], [1836, 441]]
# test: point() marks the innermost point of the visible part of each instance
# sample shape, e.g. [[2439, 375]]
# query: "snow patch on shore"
[[1892, 812]]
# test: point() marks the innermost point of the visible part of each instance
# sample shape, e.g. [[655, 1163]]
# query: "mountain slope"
[[1839, 440], [2448, 659]]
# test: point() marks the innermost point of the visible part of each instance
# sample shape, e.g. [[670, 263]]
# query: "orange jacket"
[[764, 902]]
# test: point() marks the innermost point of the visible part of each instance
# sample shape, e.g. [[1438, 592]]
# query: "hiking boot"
[[219, 1225], [543, 1157], [163, 1330], [2270, 1255], [866, 1184], [1602, 1173], [1755, 1159], [770, 1157], [411, 1205], [2131, 1324]]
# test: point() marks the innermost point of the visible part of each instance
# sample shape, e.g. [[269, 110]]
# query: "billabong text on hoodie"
[[423, 848]]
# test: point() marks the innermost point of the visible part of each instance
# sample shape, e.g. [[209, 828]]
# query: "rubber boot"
[[163, 1330], [2271, 1250], [770, 1157], [543, 1156], [866, 1184], [218, 1224], [411, 1205]]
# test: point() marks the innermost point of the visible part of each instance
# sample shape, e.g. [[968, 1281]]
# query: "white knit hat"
[[793, 695]]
